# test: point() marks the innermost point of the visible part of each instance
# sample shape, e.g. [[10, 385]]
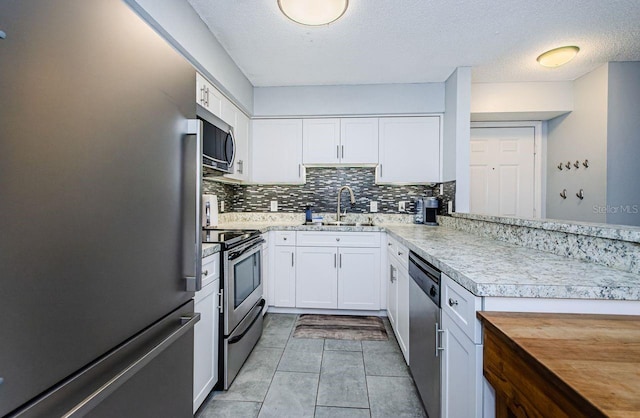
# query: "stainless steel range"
[[242, 300]]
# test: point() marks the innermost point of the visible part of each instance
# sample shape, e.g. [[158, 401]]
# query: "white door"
[[321, 141], [402, 318], [502, 171], [409, 150], [284, 277], [205, 343], [316, 277], [276, 151], [359, 140], [462, 373], [359, 278]]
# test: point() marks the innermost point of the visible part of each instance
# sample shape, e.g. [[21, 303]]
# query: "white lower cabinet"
[[359, 278], [461, 373], [284, 276], [317, 277], [205, 344], [342, 278], [398, 295], [462, 381]]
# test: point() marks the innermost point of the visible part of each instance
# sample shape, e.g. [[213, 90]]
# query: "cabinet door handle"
[[337, 151], [335, 263], [221, 300], [391, 275], [299, 170], [207, 96], [291, 259], [205, 273], [380, 170], [342, 151], [240, 166], [340, 261], [202, 95], [452, 302], [439, 348], [400, 253]]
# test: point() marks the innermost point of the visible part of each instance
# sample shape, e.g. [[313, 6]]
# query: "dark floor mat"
[[340, 327]]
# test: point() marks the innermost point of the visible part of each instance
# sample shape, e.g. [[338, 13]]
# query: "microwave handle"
[[191, 206], [230, 137]]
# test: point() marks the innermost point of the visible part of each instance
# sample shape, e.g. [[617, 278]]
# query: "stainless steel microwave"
[[218, 147]]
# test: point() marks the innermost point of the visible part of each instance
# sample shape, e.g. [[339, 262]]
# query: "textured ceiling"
[[414, 41]]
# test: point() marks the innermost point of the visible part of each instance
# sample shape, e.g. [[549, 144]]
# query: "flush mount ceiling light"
[[313, 12], [558, 56]]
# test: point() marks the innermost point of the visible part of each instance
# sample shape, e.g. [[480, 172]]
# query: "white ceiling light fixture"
[[558, 56], [313, 12]]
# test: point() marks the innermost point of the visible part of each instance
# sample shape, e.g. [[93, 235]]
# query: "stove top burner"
[[228, 237]]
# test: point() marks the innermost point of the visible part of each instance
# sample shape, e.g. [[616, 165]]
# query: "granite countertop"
[[492, 268], [210, 249]]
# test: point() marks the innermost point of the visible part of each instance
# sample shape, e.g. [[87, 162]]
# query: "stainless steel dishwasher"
[[424, 331]]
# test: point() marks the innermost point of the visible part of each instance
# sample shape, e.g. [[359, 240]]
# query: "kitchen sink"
[[340, 223]]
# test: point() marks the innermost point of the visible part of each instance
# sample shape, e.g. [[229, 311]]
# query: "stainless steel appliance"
[[99, 214], [424, 331], [242, 297], [431, 211], [218, 143]]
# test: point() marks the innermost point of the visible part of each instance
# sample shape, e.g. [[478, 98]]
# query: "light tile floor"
[[296, 377]]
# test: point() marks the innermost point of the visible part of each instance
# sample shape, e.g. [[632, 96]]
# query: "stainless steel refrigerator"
[[98, 213]]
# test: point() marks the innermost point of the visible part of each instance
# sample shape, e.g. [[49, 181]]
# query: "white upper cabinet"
[[359, 141], [409, 150], [276, 151], [321, 141], [340, 141], [208, 96], [239, 123]]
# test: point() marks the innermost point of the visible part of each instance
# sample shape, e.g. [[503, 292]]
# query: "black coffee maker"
[[430, 211]]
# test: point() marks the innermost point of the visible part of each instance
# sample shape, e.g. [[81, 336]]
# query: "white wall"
[[520, 101], [370, 99], [456, 138], [181, 26], [623, 144], [580, 135]]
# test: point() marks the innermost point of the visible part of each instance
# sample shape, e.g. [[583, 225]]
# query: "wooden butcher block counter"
[[562, 365]]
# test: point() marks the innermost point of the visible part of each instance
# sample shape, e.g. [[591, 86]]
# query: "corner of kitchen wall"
[[179, 24]]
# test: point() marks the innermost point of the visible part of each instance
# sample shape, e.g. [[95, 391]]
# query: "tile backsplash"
[[321, 191]]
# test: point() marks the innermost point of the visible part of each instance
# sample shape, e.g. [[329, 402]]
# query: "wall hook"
[[560, 166], [563, 194], [585, 163], [580, 194], [576, 164], [568, 165]]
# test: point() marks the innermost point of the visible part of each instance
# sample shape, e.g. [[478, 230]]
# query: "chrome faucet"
[[353, 201]]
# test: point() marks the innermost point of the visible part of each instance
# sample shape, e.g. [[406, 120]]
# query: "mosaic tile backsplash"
[[321, 191]]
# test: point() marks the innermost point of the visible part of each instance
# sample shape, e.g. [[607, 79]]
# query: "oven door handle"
[[254, 245], [237, 338]]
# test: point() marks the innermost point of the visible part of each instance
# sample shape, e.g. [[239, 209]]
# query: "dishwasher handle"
[[439, 339]]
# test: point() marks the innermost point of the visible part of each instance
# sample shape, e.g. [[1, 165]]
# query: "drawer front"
[[461, 305], [210, 269], [285, 238], [338, 239], [398, 251]]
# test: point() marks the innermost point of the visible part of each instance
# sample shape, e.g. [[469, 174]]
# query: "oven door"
[[243, 282]]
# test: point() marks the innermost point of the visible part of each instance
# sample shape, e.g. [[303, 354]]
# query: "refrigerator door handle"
[[192, 195], [80, 410]]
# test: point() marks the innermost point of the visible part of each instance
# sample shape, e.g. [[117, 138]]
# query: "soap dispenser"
[[308, 216]]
